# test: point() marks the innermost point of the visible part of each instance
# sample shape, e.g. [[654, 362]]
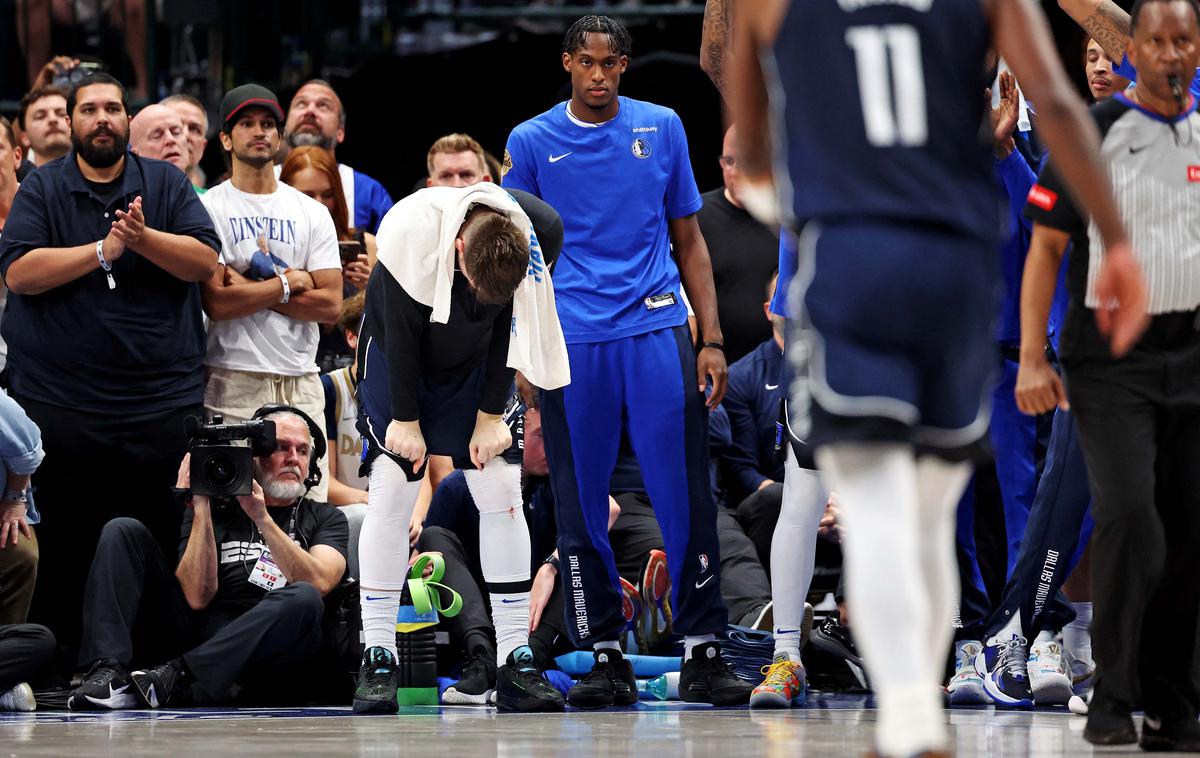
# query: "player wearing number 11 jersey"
[[881, 107]]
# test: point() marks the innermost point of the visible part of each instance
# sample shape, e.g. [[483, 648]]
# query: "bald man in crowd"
[[158, 132]]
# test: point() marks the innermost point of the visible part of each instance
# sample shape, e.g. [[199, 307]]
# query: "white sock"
[[691, 641], [1077, 639], [379, 609], [794, 552], [510, 616], [383, 550], [787, 643], [1043, 637], [940, 485], [1013, 627], [886, 589], [608, 645], [504, 551]]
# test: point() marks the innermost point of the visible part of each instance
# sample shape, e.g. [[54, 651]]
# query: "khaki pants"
[[18, 573], [238, 394]]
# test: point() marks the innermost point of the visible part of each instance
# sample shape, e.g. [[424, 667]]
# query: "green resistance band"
[[424, 591]]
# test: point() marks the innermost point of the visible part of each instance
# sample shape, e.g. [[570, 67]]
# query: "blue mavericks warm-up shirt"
[[615, 185]]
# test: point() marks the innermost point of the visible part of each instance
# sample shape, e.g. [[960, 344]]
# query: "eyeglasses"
[[728, 161]]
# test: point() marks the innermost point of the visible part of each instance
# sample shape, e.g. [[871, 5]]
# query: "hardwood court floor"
[[829, 726]]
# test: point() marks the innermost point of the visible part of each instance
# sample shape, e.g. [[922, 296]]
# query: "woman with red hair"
[[314, 172]]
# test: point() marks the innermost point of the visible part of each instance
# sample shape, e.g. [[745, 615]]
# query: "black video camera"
[[222, 469]]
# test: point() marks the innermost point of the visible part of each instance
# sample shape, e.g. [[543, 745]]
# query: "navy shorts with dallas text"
[[894, 341], [448, 407]]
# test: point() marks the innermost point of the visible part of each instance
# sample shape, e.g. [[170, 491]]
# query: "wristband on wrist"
[[713, 345], [104, 264], [287, 288], [15, 496], [552, 559]]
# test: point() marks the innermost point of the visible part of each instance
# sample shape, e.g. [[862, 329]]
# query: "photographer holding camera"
[[245, 602]]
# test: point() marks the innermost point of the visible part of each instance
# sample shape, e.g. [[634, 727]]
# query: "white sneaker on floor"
[[1079, 704], [1048, 674], [19, 698], [966, 686], [1080, 671]]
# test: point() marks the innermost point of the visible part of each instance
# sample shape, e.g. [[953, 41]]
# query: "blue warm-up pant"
[[1014, 439], [1059, 528], [647, 385]]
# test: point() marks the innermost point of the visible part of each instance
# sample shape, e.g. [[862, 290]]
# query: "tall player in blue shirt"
[[882, 118], [617, 171]]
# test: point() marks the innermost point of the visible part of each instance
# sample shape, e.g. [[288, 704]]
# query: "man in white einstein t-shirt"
[[280, 275]]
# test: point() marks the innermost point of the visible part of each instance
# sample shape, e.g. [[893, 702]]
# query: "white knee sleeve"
[[885, 588], [383, 543], [940, 485], [504, 552], [794, 551]]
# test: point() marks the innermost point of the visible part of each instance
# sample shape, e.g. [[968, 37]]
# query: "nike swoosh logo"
[[1134, 150], [701, 584], [376, 598], [786, 631], [1154, 724], [507, 601], [557, 158], [772, 386]]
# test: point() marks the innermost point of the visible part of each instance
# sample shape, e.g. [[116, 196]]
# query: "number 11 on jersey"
[[893, 107]]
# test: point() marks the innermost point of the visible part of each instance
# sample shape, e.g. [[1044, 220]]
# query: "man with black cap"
[[102, 252], [279, 275]]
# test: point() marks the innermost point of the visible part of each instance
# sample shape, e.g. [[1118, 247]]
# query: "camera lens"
[[220, 471]]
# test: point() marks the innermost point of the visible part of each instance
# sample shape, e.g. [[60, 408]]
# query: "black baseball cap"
[[248, 96]]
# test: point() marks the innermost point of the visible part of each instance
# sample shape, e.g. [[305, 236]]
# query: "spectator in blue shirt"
[[752, 401], [316, 116], [102, 254]]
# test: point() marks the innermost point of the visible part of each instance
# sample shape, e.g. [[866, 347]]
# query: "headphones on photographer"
[[318, 438]]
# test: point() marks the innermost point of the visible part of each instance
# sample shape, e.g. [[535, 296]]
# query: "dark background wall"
[[399, 104], [397, 107]]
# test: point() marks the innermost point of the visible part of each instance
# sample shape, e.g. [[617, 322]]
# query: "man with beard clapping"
[[102, 252]]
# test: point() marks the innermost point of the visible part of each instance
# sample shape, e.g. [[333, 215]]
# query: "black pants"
[[1139, 429], [758, 513], [98, 468], [745, 587], [25, 649], [472, 627], [135, 613]]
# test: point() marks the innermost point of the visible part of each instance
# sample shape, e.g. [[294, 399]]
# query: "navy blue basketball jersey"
[[883, 112]]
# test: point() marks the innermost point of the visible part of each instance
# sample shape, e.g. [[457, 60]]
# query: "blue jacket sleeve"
[[740, 459], [20, 439], [1018, 178], [20, 447]]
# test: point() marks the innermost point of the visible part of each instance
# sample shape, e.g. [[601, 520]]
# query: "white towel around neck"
[[416, 245]]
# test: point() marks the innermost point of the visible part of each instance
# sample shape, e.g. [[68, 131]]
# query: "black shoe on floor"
[[521, 687], [610, 682], [376, 689], [106, 686], [1170, 735], [161, 685], [477, 681], [1109, 723], [831, 637], [706, 678]]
